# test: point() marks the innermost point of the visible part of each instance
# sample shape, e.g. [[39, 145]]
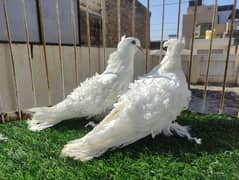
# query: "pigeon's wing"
[[89, 95], [153, 103], [85, 100], [149, 107], [146, 102]]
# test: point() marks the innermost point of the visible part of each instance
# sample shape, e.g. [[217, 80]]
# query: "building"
[[204, 22], [16, 21], [203, 32]]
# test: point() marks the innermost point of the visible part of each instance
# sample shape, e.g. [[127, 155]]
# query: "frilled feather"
[[95, 95], [149, 107]]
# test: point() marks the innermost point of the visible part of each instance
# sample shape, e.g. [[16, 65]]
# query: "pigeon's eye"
[[133, 42]]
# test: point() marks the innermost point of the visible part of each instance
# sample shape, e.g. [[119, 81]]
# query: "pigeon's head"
[[172, 59], [130, 44], [123, 58], [174, 46]]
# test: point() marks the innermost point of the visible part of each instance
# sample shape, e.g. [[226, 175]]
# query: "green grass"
[[28, 155]]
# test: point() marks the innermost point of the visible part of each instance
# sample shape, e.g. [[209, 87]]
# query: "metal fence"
[[104, 48]]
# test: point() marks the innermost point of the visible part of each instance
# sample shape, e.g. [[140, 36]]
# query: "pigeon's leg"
[[91, 124]]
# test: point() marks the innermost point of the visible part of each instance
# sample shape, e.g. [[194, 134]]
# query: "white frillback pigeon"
[[150, 106], [96, 95]]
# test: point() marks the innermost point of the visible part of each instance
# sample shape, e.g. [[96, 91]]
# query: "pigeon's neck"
[[171, 63], [121, 61]]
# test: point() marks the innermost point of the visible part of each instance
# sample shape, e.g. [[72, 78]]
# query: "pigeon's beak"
[[140, 48]]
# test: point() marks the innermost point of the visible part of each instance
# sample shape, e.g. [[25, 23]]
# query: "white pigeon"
[[96, 95], [150, 106]]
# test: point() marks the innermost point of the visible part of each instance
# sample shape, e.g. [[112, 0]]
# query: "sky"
[[171, 12]]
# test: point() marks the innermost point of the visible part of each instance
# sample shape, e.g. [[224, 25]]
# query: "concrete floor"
[[231, 103]]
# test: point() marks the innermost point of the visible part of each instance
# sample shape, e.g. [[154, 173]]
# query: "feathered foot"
[[183, 131]]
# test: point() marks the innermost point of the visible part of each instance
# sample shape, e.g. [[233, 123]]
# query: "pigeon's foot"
[[183, 131], [90, 124]]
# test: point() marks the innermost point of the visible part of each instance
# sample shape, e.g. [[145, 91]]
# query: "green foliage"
[[28, 155]]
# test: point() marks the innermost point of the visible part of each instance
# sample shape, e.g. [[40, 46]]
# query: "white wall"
[[7, 92], [24, 83]]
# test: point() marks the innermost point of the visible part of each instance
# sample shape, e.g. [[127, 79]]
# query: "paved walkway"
[[231, 102]]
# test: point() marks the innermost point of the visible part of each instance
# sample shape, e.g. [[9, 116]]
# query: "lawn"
[[28, 155]]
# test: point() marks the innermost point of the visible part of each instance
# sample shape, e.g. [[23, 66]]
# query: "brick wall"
[[126, 21], [112, 23], [95, 29]]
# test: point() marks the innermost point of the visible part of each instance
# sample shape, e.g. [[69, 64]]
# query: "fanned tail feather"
[[183, 131], [37, 109], [90, 145], [42, 119], [109, 134], [38, 125]]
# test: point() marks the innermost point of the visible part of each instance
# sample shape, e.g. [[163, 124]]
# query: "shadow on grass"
[[219, 134], [75, 124]]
